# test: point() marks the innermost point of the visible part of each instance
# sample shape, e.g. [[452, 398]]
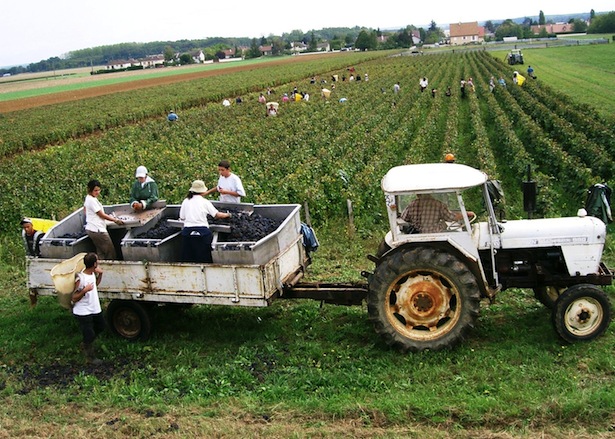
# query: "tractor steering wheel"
[[459, 224]]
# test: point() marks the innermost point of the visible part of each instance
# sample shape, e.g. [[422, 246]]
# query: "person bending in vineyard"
[[196, 236], [144, 191], [229, 184]]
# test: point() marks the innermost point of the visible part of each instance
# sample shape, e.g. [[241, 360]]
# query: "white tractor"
[[426, 288]]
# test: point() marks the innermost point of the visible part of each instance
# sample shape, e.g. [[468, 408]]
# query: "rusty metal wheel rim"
[[423, 305]]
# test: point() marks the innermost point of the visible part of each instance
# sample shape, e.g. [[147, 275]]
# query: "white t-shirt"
[[193, 211], [231, 183], [93, 222], [90, 303]]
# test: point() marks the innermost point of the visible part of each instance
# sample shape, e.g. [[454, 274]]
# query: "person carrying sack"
[[86, 306]]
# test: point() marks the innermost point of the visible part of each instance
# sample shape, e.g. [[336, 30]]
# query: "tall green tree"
[[508, 28], [169, 54], [404, 38], [295, 35], [277, 46], [366, 41], [336, 42], [253, 51], [602, 24], [434, 34], [579, 25], [313, 44], [541, 18], [185, 58]]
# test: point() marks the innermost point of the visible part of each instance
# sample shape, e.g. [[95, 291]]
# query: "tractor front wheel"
[[581, 313]]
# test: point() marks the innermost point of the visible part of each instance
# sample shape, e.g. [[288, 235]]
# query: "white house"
[[152, 61], [198, 56]]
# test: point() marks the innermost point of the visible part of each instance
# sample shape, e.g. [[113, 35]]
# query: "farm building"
[[121, 64], [466, 33], [553, 28]]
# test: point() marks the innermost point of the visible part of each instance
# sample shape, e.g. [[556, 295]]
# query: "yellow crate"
[[43, 225]]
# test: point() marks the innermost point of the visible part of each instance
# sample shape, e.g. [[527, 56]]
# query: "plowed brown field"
[[100, 90]]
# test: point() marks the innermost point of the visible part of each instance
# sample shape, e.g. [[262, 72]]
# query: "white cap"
[[141, 171]]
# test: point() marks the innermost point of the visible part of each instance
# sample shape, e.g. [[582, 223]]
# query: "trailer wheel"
[[129, 320], [581, 313], [422, 298], [548, 295]]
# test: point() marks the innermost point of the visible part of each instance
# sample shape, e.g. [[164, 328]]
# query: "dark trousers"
[[91, 325], [196, 244], [103, 243]]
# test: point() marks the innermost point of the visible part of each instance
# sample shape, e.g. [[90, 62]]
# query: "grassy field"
[[301, 369], [583, 72]]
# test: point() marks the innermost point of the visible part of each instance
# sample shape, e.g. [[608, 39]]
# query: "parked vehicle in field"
[[424, 292], [514, 57]]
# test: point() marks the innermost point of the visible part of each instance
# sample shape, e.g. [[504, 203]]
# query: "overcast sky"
[[33, 30]]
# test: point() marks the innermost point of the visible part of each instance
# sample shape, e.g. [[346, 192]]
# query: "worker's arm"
[[103, 215], [80, 291], [221, 215], [210, 191]]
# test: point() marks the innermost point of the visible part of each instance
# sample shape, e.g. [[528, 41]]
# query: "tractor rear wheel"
[[581, 313], [383, 247], [422, 298]]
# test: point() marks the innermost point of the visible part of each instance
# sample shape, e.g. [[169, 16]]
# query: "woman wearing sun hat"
[[196, 236]]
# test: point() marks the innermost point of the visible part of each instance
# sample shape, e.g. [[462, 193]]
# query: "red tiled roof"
[[464, 29]]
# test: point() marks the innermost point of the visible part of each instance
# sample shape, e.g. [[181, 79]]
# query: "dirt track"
[[56, 98]]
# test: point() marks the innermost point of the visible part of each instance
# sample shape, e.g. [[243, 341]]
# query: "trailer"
[[149, 272], [428, 281]]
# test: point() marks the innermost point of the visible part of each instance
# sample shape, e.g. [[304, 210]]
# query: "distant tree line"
[[602, 23], [338, 38]]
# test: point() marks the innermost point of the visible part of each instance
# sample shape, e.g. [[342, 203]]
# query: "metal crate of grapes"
[[155, 241], [263, 250], [67, 238]]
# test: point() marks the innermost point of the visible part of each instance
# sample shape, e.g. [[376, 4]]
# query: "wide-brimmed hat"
[[198, 187], [141, 172]]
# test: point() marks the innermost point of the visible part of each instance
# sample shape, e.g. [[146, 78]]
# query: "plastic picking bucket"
[[63, 276]]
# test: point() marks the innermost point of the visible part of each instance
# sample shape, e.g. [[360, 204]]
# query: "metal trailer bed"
[[243, 274]]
